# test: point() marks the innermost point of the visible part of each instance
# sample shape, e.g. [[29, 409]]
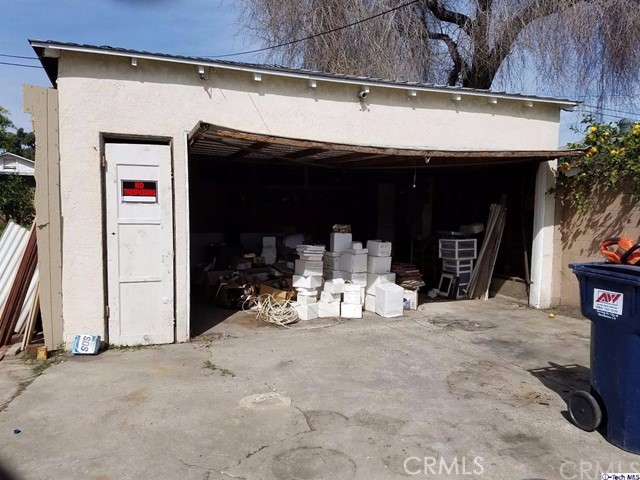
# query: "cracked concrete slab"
[[484, 383]]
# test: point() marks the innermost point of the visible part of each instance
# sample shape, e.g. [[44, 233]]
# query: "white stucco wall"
[[101, 94]]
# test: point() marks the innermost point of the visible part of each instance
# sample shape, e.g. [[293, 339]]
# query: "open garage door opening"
[[244, 187]]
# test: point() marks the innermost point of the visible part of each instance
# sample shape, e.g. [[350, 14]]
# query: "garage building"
[[145, 159]]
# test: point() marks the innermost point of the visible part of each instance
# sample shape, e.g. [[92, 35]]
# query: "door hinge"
[[103, 161], [107, 311]]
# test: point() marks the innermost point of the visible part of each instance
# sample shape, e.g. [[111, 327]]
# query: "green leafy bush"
[[610, 164], [16, 200]]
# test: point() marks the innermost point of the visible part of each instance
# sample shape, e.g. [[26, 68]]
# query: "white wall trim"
[[543, 238]]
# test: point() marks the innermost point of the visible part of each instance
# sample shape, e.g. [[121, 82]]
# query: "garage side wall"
[[106, 95], [582, 233]]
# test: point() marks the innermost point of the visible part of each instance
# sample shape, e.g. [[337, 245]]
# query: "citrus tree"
[[611, 163]]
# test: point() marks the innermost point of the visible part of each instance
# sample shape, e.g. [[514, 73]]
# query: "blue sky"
[[187, 27]]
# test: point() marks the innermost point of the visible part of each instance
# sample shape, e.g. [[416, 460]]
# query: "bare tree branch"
[[458, 62]]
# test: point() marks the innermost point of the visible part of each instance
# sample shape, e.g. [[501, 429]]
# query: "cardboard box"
[[335, 286], [378, 264], [309, 268], [378, 248], [307, 312], [340, 242], [352, 298], [389, 300], [328, 310], [278, 293], [370, 303], [308, 282], [350, 311], [375, 279], [357, 278], [410, 300], [327, 297], [353, 263]]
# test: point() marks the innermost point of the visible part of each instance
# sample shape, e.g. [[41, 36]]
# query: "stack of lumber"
[[407, 276], [19, 287], [483, 271]]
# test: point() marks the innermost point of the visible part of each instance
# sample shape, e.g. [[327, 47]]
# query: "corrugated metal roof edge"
[[285, 71]]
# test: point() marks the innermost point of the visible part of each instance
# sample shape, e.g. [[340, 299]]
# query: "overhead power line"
[[20, 65], [607, 109], [17, 56], [310, 37]]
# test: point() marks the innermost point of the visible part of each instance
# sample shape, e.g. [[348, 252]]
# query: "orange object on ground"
[[621, 250]]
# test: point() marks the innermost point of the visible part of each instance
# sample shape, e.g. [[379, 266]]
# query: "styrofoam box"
[[378, 248], [308, 268], [359, 278], [375, 279], [306, 299], [327, 297], [335, 286], [389, 300], [378, 264], [307, 312], [348, 310], [308, 282], [340, 242], [410, 299], [332, 263], [457, 266], [327, 310], [352, 287], [356, 246], [352, 298], [333, 274], [269, 241], [353, 263], [370, 303]]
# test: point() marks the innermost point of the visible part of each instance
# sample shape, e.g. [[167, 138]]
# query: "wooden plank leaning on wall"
[[42, 104]]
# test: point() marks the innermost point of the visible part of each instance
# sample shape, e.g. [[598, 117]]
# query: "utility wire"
[[310, 37], [607, 109], [17, 56], [20, 65]]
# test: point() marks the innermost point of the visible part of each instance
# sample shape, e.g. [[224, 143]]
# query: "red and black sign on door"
[[139, 191]]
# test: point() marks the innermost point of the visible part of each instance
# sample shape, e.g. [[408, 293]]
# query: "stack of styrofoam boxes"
[[353, 264], [331, 298], [457, 256], [269, 251], [308, 280], [378, 271], [389, 300], [339, 243]]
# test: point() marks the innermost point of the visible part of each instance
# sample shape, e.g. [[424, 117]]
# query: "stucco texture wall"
[[106, 95], [580, 235]]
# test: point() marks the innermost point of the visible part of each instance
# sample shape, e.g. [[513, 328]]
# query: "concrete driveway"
[[455, 390]]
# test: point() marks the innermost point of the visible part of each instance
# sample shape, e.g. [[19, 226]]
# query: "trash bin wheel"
[[584, 410]]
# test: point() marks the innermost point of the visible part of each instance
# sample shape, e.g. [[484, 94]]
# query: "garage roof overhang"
[[238, 146]]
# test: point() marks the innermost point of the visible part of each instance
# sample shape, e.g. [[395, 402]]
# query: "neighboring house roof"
[[50, 63], [12, 164]]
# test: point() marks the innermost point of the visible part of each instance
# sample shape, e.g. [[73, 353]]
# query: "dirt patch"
[[313, 463], [458, 323]]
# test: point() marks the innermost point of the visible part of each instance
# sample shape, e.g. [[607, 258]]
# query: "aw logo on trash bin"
[[607, 304]]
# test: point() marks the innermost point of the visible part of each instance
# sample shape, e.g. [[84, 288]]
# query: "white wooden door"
[[140, 252]]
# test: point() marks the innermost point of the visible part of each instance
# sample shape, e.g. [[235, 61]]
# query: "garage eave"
[[234, 145]]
